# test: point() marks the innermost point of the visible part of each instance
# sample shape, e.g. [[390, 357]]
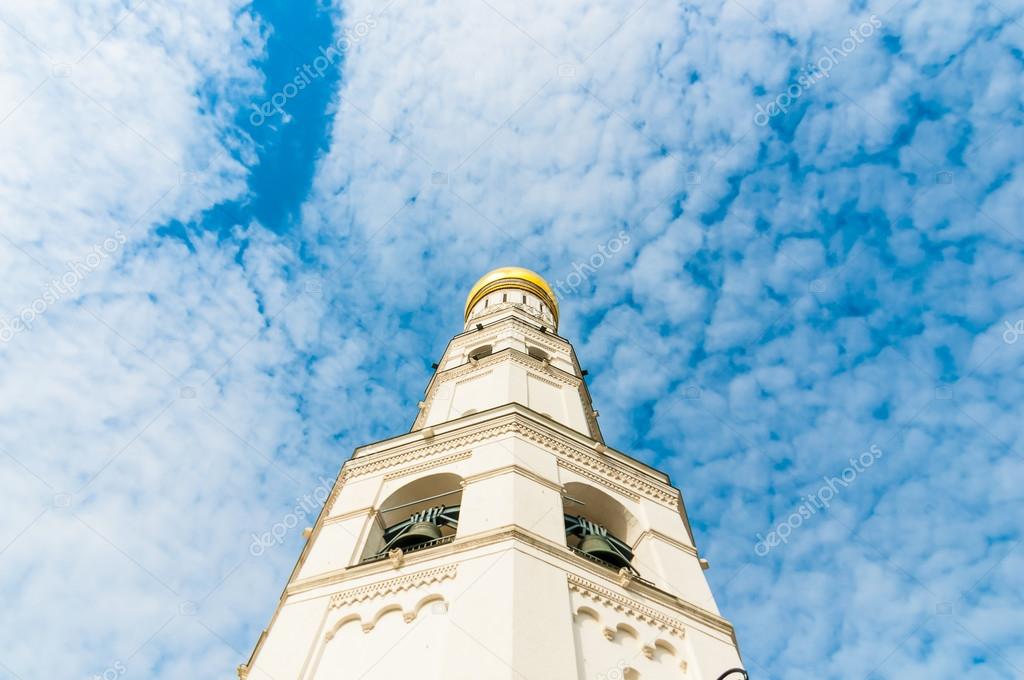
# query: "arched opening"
[[537, 353], [419, 515], [598, 527], [480, 352]]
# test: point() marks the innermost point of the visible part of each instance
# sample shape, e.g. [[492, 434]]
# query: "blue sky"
[[215, 287]]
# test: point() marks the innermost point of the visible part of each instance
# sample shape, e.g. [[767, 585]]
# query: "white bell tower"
[[500, 538]]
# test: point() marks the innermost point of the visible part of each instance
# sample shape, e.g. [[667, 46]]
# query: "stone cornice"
[[438, 462], [654, 533], [469, 367], [516, 469], [598, 479], [415, 450], [555, 343], [512, 532], [605, 469], [626, 605], [359, 512], [393, 585], [508, 354]]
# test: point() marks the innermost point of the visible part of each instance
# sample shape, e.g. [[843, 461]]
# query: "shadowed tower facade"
[[501, 537]]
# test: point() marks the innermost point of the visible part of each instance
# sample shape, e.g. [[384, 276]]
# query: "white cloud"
[[785, 301]]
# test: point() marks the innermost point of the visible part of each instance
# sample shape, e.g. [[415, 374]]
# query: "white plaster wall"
[[393, 648], [513, 481], [545, 396], [712, 654], [509, 612], [674, 570], [290, 640], [478, 392], [610, 645], [335, 546], [502, 379]]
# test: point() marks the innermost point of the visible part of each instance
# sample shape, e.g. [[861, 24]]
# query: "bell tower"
[[501, 537]]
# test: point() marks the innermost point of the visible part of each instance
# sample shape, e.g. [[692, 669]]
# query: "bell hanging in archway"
[[599, 547], [420, 532]]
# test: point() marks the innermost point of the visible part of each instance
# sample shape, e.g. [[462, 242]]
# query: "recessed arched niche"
[[537, 353], [599, 526], [416, 515]]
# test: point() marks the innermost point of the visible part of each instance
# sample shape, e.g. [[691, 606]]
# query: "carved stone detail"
[[603, 481], [459, 372], [413, 469], [630, 481], [602, 468], [472, 378], [550, 383], [627, 606], [335, 492], [368, 466], [393, 585]]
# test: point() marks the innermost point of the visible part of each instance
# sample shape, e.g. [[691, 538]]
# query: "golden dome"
[[513, 277]]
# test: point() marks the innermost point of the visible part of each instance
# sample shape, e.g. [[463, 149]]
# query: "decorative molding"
[[499, 535], [654, 533], [360, 512], [516, 469], [590, 414], [554, 374], [594, 477], [626, 605], [339, 482], [545, 381], [507, 354], [517, 424], [358, 467], [394, 585], [605, 470], [473, 378], [413, 469]]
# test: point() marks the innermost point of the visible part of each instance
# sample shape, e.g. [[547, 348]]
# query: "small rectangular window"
[[524, 299], [504, 297]]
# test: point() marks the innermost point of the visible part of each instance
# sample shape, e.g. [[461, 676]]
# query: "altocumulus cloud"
[[790, 294]]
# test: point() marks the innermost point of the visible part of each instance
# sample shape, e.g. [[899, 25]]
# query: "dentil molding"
[[629, 607], [393, 585]]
